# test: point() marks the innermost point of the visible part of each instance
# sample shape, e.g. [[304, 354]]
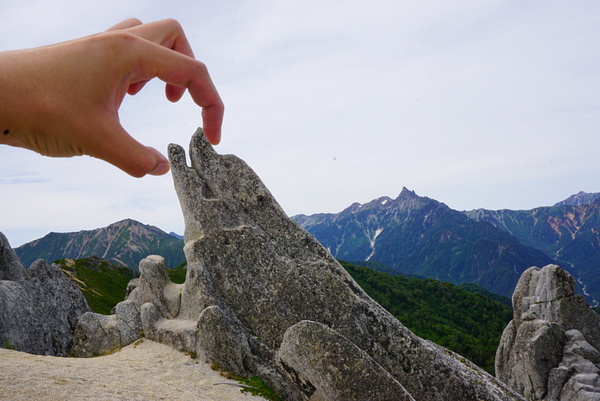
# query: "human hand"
[[63, 100]]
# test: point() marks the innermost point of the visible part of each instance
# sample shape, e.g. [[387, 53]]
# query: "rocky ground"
[[143, 371]]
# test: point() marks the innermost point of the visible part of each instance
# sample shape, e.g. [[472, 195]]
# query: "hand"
[[63, 100]]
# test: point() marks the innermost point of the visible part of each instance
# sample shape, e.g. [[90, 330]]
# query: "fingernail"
[[161, 168]]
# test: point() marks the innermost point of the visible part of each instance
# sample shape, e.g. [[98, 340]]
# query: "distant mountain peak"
[[174, 234], [580, 198], [124, 243], [407, 193], [420, 235]]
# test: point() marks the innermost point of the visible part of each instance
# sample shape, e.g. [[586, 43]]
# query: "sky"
[[478, 104]]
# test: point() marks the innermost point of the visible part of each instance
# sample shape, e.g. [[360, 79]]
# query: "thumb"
[[121, 150]]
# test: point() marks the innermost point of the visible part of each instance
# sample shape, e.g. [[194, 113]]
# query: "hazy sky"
[[478, 104]]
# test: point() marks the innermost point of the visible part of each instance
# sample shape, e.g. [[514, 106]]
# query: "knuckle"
[[173, 24], [200, 67], [116, 41], [133, 21]]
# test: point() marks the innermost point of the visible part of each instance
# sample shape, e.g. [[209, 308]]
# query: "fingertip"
[[161, 165], [174, 93], [161, 168], [141, 163], [214, 139], [213, 120]]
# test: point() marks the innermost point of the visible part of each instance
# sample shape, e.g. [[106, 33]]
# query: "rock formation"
[[39, 307], [263, 297], [549, 351]]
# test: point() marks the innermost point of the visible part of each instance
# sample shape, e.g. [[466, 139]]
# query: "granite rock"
[[549, 351], [39, 306]]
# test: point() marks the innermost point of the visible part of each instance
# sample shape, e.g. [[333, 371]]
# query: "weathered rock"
[[11, 267], [152, 301], [39, 307], [549, 351], [330, 362], [577, 378], [155, 286], [263, 297], [96, 334], [223, 340], [525, 365]]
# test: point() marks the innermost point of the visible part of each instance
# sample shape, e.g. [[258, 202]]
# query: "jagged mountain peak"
[[409, 200], [407, 193]]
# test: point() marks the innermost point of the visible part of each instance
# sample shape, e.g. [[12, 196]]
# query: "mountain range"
[[410, 235], [421, 236], [569, 232], [123, 243]]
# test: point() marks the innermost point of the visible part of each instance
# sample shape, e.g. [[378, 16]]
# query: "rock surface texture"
[[263, 297], [549, 351], [39, 306]]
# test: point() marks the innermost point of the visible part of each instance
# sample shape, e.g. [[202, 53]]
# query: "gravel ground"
[[147, 371]]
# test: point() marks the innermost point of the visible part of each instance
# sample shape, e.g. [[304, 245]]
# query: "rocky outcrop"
[[263, 297], [39, 307], [549, 351]]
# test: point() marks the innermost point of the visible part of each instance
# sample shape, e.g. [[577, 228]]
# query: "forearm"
[[26, 101], [13, 97]]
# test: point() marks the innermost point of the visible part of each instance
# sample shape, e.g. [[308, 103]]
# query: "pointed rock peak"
[[11, 267], [409, 200], [407, 194]]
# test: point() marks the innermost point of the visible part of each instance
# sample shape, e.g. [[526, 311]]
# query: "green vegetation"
[[253, 385], [177, 275], [258, 387], [596, 309], [103, 284], [465, 322], [474, 288]]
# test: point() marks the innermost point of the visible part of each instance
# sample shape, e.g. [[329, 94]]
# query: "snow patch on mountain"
[[372, 241]]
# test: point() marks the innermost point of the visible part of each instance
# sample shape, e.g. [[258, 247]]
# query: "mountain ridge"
[[419, 235], [569, 231], [124, 243]]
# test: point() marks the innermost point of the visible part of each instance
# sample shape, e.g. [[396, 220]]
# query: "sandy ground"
[[146, 371]]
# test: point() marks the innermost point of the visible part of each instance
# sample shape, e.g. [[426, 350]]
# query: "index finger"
[[170, 34], [180, 70]]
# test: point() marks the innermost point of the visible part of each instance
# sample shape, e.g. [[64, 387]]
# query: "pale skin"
[[63, 100]]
